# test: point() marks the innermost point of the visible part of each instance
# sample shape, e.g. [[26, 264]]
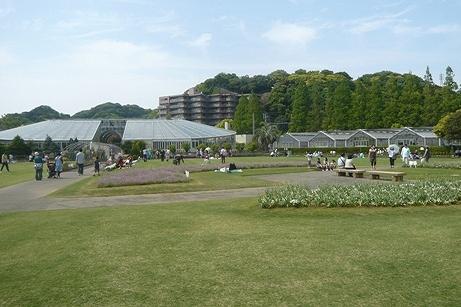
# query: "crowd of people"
[[346, 161]]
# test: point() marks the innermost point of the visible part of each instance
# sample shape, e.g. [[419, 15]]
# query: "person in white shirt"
[[80, 160], [405, 153], [349, 162], [391, 153], [341, 161]]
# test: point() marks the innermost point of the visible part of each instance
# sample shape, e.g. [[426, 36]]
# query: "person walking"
[[405, 154], [372, 156], [426, 155], [38, 165], [5, 162], [58, 165], [80, 160], [391, 153]]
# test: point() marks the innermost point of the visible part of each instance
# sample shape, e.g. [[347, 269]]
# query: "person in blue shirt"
[[38, 164]]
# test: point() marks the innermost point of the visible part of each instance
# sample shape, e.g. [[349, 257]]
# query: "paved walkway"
[[32, 195]]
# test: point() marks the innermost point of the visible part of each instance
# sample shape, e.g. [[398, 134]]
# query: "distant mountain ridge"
[[35, 115], [105, 110], [115, 110]]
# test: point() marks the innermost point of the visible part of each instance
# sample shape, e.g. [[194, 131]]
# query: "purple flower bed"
[[142, 176], [174, 174]]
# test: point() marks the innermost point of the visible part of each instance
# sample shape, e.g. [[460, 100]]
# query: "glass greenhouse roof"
[[160, 129], [137, 129], [58, 130]]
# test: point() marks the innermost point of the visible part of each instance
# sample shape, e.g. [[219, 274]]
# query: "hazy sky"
[[74, 54]]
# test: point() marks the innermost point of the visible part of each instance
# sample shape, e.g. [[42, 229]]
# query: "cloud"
[[290, 33], [173, 30], [377, 22], [202, 41], [113, 57], [453, 28], [5, 12], [5, 57], [34, 25]]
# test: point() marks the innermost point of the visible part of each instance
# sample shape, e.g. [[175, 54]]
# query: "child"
[[96, 166]]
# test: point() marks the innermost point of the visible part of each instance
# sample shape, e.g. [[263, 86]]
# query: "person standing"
[[58, 165], [96, 166], [391, 153], [223, 154], [427, 154], [80, 160], [38, 165], [5, 162], [372, 156], [405, 154]]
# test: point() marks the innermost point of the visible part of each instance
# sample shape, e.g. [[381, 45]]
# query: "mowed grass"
[[202, 181], [220, 181], [19, 172], [231, 253]]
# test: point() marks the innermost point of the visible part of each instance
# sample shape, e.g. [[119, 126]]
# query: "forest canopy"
[[325, 100]]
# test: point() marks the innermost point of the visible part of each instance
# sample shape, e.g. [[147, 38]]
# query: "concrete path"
[[32, 195]]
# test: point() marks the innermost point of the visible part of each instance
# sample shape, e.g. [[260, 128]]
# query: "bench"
[[396, 176], [358, 173]]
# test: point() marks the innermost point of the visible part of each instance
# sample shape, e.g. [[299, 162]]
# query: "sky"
[[72, 55]]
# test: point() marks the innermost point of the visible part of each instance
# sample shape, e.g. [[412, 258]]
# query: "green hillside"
[[325, 100], [105, 110], [38, 114], [115, 110]]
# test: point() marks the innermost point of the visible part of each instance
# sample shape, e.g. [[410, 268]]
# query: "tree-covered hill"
[[38, 114], [324, 100], [106, 110], [115, 110]]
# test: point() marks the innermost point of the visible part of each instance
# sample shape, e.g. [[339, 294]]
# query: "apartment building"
[[200, 108]]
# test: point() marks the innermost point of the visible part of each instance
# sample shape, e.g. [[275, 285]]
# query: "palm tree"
[[266, 135]]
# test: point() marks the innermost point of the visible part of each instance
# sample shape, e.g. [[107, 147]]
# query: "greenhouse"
[[156, 133]]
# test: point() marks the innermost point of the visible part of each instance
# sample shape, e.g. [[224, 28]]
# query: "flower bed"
[[142, 176], [173, 174], [453, 165], [383, 195]]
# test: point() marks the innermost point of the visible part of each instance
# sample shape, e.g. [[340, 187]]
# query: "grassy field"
[[231, 253], [19, 172], [218, 181]]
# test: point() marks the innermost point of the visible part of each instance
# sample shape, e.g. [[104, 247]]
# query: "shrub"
[[251, 146], [185, 147], [240, 146], [172, 149], [381, 195]]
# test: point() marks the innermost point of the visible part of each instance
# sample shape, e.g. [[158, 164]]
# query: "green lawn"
[[19, 172], [217, 181], [202, 181], [231, 253]]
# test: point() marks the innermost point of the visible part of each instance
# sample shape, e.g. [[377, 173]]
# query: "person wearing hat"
[[38, 165]]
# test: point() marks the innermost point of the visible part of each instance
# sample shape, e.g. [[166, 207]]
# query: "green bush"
[[251, 146], [380, 195], [240, 147], [185, 147], [214, 148], [172, 149]]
